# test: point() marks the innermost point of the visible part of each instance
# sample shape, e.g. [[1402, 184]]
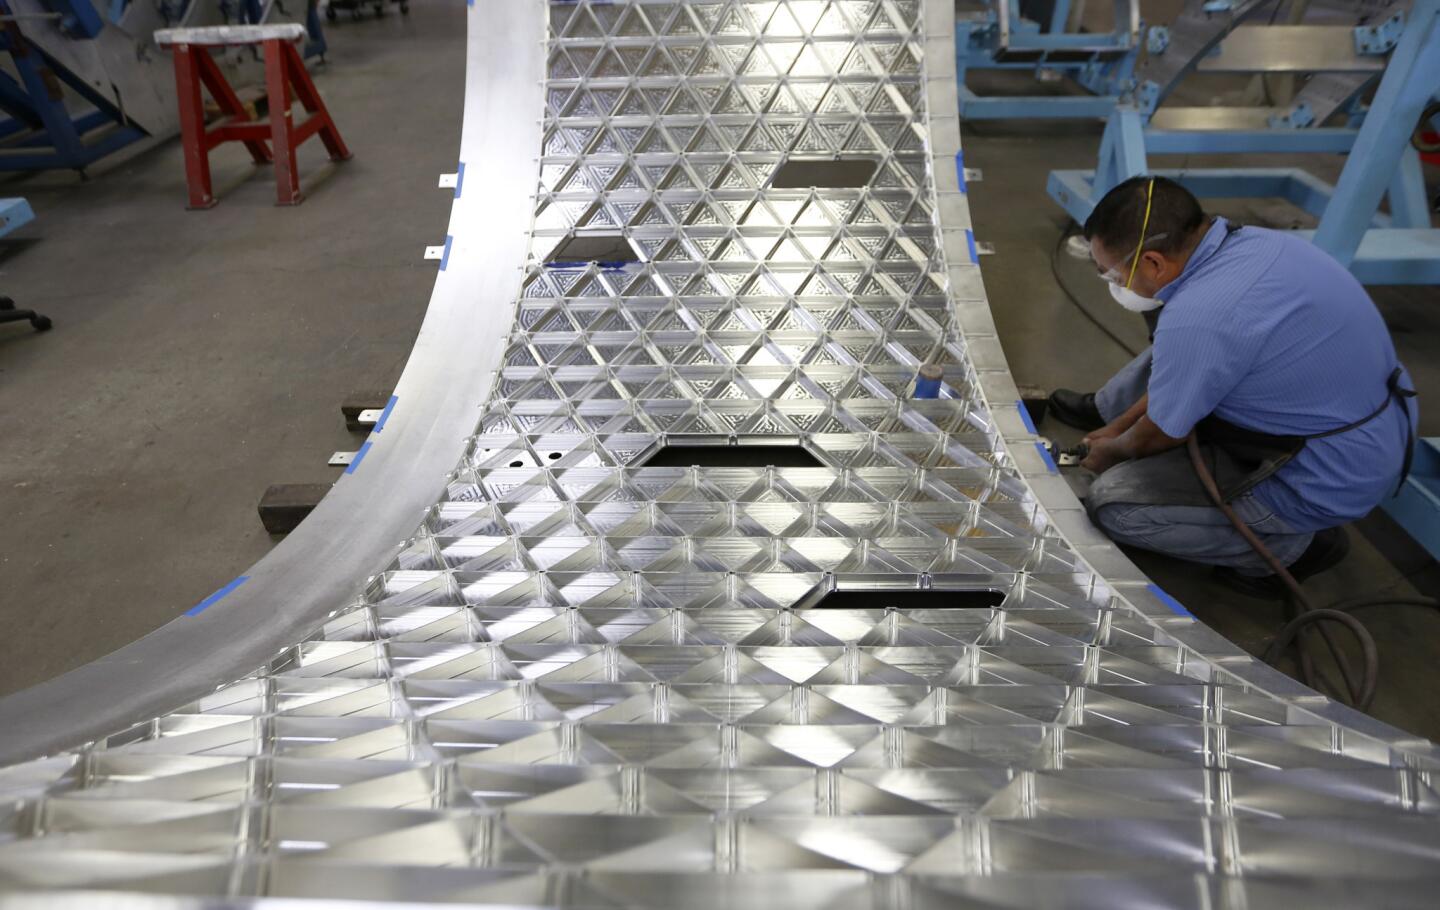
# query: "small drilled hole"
[[517, 464], [553, 456]]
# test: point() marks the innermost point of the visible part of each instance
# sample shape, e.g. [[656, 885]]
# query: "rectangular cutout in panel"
[[831, 173], [733, 456], [606, 249], [911, 600]]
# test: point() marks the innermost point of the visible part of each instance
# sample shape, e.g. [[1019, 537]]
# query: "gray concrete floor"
[[1050, 343], [198, 357]]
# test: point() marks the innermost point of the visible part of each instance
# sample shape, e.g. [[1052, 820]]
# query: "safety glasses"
[[1115, 276]]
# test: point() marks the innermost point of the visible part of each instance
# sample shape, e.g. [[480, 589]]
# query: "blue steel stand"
[[1398, 248], [1102, 64], [40, 132], [1416, 508]]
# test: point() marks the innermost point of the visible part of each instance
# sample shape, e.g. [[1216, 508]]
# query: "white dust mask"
[[1131, 300]]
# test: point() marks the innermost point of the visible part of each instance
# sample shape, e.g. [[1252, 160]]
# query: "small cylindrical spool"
[[927, 382]]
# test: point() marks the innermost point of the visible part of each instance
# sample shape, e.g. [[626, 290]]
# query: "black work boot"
[[1326, 551], [1076, 409]]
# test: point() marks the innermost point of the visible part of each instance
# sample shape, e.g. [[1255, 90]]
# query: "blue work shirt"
[[1266, 331]]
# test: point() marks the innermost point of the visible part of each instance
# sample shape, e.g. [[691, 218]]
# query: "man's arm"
[[1122, 423], [1193, 369], [1143, 439]]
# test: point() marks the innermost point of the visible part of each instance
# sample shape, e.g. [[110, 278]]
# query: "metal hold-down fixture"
[[910, 677]]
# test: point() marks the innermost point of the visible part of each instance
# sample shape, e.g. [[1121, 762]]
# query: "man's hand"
[[1109, 431], [1140, 441], [1122, 424], [1105, 453]]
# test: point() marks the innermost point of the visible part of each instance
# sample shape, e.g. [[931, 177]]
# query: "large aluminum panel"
[[592, 680]]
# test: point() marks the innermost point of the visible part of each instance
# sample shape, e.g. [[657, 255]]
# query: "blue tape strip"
[[970, 242], [218, 596], [359, 457], [960, 170], [1025, 416], [445, 256], [1169, 601], [385, 414], [1045, 454], [459, 179]]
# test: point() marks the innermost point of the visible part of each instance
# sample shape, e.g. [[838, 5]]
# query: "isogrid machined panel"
[[585, 682]]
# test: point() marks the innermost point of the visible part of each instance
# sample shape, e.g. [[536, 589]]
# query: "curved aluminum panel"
[[589, 682], [324, 564]]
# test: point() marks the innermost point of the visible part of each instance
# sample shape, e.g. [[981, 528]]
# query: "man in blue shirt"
[[1258, 336]]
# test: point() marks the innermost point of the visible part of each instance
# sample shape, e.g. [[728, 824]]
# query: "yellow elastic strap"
[[1135, 263]]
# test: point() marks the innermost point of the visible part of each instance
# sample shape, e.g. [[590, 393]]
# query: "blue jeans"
[[1197, 533]]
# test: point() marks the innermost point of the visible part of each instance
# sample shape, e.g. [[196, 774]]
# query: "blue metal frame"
[[1383, 160], [41, 133], [977, 46], [78, 18], [1398, 248], [1417, 507]]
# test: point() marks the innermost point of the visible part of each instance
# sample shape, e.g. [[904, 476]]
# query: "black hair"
[[1175, 215]]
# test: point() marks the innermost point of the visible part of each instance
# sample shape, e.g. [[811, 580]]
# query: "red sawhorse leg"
[[319, 114], [284, 70], [282, 126], [192, 127], [230, 106], [194, 68]]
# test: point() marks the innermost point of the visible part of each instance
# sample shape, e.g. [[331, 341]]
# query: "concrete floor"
[[200, 356]]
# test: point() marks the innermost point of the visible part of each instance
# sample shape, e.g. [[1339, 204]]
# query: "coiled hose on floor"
[[1358, 688]]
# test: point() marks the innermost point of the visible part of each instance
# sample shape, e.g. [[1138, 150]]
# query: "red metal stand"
[[284, 74], [1432, 140]]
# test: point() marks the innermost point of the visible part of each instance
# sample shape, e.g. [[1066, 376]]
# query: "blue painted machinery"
[[1417, 507], [1394, 247], [43, 130], [1036, 36]]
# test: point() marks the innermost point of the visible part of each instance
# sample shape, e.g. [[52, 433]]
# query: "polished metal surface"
[[1174, 117], [1194, 33], [1236, 40], [588, 682], [1290, 49]]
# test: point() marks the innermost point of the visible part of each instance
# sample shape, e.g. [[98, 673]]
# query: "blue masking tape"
[[1169, 601], [1025, 416], [218, 596], [960, 170], [445, 256], [359, 457], [1045, 454], [459, 179], [385, 414]]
